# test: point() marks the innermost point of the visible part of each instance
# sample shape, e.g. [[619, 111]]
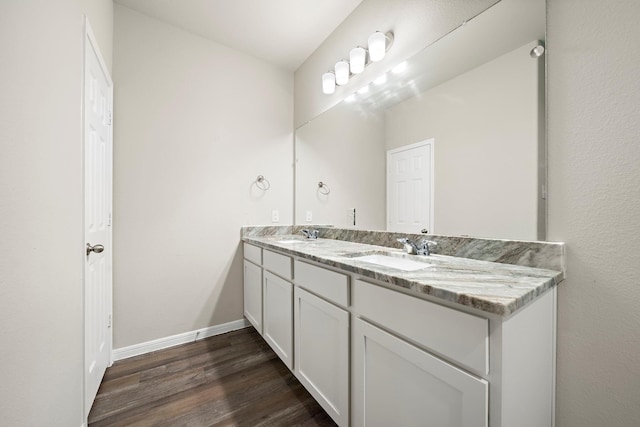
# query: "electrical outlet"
[[309, 216], [275, 216]]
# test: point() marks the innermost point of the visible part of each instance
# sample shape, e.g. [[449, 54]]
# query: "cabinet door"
[[322, 352], [253, 294], [277, 313], [397, 384]]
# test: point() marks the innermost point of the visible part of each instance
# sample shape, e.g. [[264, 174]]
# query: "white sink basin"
[[291, 241], [393, 262]]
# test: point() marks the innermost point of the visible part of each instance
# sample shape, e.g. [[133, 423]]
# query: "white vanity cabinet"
[[397, 383], [277, 309], [322, 338], [416, 363], [374, 354], [252, 281]]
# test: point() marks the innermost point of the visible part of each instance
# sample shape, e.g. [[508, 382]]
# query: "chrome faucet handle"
[[310, 234], [423, 248], [409, 246]]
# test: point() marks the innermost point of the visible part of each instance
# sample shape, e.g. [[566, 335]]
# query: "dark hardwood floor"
[[233, 379]]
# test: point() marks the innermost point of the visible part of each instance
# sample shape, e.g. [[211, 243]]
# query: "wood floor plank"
[[233, 379]]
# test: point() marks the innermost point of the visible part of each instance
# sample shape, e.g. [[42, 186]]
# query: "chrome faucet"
[[309, 234], [421, 248]]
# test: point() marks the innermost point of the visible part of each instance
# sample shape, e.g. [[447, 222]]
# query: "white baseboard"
[[183, 338]]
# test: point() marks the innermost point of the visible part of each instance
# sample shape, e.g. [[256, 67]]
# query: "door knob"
[[95, 248]]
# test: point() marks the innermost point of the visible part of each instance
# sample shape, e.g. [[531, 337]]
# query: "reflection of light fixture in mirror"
[[381, 80], [357, 59], [378, 45], [350, 98], [363, 90], [399, 68], [342, 72], [328, 83]]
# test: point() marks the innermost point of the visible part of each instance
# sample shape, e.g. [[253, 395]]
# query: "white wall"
[[485, 126], [594, 206], [195, 124], [344, 148], [415, 24], [41, 202]]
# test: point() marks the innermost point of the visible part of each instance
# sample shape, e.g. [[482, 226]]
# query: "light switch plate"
[[275, 216]]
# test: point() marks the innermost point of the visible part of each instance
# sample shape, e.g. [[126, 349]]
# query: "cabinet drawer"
[[252, 253], [462, 337], [329, 284], [278, 264]]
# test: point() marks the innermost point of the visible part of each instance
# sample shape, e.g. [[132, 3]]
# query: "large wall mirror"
[[453, 144]]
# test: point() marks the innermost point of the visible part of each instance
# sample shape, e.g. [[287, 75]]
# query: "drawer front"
[[329, 284], [252, 253], [462, 337], [278, 264]]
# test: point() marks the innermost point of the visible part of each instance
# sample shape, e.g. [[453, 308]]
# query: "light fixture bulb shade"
[[342, 72], [357, 59], [328, 83], [377, 46]]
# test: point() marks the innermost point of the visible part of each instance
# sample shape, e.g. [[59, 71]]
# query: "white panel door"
[[397, 384], [253, 294], [277, 316], [98, 92], [410, 188], [322, 352]]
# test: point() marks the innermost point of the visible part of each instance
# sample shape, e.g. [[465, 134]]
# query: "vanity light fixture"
[[328, 83], [357, 59], [342, 72], [379, 44]]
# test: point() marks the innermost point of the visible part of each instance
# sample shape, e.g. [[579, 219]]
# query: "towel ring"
[[262, 183], [323, 188]]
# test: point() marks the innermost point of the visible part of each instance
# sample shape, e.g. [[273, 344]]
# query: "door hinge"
[[110, 118], [109, 222], [109, 325]]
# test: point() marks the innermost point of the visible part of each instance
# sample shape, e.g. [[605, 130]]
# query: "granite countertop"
[[492, 287]]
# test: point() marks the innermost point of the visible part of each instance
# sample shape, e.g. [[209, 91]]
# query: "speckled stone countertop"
[[493, 287]]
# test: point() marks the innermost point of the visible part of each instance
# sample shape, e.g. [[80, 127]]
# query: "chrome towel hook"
[[323, 188], [262, 183]]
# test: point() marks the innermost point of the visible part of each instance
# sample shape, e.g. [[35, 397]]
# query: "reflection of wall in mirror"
[[485, 123], [345, 148]]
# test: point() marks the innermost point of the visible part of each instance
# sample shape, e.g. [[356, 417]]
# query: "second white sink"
[[393, 262]]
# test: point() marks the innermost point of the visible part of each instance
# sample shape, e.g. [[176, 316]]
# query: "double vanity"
[[382, 338]]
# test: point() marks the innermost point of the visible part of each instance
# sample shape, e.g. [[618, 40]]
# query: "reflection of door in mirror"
[[410, 188]]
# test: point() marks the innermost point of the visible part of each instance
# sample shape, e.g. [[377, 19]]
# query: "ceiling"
[[282, 32]]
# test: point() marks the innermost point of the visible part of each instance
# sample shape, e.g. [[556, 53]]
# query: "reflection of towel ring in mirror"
[[323, 188], [262, 183]]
